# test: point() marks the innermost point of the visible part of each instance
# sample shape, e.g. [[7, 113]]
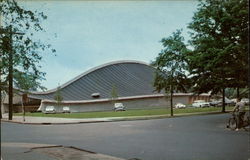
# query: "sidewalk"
[[31, 151], [52, 120]]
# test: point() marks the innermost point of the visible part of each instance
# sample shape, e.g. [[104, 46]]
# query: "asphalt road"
[[182, 138]]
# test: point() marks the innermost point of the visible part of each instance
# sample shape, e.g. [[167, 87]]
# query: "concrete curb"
[[47, 123], [115, 119]]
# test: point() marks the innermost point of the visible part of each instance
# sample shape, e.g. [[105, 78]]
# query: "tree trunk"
[[171, 101], [238, 92], [10, 79], [23, 109], [0, 99], [0, 95], [223, 100]]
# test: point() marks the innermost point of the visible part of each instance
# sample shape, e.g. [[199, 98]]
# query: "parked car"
[[218, 103], [245, 101], [200, 103], [180, 105], [66, 109], [215, 103], [50, 109], [229, 102], [234, 100], [119, 107]]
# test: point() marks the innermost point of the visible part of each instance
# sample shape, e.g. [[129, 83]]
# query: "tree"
[[2, 88], [114, 93], [25, 82], [58, 96], [19, 51], [220, 42], [232, 92], [171, 67]]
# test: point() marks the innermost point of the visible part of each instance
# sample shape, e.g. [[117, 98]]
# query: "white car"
[[245, 101], [234, 100], [66, 109], [229, 102], [200, 103], [119, 107], [50, 109], [215, 103], [180, 105]]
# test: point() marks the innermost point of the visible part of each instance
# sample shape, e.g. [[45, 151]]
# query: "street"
[[181, 138]]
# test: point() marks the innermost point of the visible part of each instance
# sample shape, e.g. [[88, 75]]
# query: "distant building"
[[91, 91]]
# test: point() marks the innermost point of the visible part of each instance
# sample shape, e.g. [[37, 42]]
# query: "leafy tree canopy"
[[220, 40], [16, 32], [58, 95], [171, 64]]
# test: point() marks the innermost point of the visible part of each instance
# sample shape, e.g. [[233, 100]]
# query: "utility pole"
[[9, 33]]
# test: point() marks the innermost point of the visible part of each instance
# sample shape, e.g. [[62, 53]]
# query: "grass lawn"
[[124, 113]]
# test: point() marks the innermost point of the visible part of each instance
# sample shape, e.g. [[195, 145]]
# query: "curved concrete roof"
[[131, 78]]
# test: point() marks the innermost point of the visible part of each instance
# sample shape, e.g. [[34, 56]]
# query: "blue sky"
[[93, 33]]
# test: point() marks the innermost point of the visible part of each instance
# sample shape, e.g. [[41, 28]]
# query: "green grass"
[[127, 113]]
